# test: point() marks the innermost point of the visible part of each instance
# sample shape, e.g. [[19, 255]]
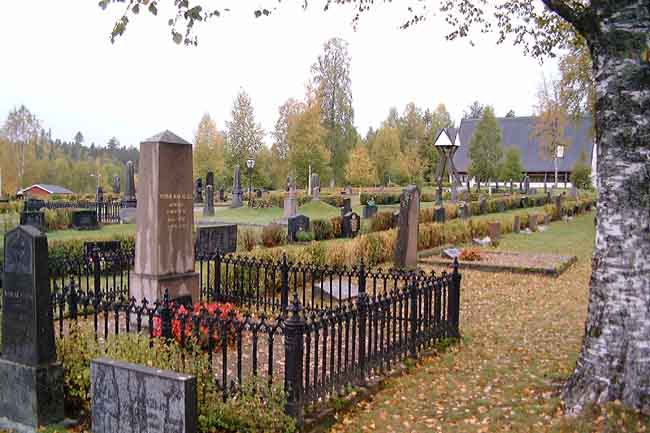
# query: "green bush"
[[58, 219], [581, 176], [256, 408], [303, 236], [277, 198]]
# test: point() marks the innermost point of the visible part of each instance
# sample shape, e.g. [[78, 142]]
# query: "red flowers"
[[224, 319]]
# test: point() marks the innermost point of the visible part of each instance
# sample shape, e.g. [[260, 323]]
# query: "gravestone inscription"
[[130, 398], [221, 238], [31, 393]]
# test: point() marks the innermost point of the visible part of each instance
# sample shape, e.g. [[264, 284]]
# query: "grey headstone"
[[130, 398], [370, 211], [99, 195], [221, 238], [198, 190], [31, 393], [129, 186], [209, 179], [237, 193], [315, 186], [116, 184], [85, 219], [208, 207], [407, 235], [296, 224], [501, 206]]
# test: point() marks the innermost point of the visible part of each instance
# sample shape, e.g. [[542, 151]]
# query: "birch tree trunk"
[[614, 362]]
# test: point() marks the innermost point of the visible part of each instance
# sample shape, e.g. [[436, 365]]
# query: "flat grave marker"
[[130, 398]]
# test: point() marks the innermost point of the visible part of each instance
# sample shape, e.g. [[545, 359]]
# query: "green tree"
[[360, 170], [386, 153], [434, 121], [331, 80], [485, 149], [209, 151], [474, 111], [21, 130], [306, 137], [581, 173], [511, 166], [245, 135], [78, 138]]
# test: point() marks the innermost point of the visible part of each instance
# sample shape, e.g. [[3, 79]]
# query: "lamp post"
[[250, 163]]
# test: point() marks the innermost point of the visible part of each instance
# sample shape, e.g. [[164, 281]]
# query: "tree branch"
[[573, 15]]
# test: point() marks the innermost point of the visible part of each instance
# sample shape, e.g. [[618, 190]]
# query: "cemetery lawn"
[[521, 338]]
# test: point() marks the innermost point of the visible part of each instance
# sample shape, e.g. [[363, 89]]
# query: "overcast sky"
[[57, 60]]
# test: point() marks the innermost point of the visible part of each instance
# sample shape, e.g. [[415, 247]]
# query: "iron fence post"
[[166, 317], [362, 312], [413, 317], [293, 368], [97, 277], [284, 299], [454, 302], [216, 296]]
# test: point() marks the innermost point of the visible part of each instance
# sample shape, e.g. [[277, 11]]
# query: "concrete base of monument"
[[30, 396], [127, 215], [152, 287]]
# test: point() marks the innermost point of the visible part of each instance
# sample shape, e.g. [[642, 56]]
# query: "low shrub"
[[382, 221], [58, 219], [247, 239], [274, 235], [470, 255], [256, 408], [322, 229], [303, 236]]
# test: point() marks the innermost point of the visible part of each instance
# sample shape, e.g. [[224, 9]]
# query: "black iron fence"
[[343, 324], [108, 212]]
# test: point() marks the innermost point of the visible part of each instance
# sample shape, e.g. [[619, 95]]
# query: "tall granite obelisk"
[[164, 251]]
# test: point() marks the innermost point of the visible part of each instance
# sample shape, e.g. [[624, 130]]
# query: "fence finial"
[[296, 307]]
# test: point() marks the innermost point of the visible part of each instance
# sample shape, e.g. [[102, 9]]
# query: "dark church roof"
[[518, 132]]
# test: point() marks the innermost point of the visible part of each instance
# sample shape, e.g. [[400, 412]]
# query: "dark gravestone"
[[406, 249], [464, 210], [351, 225], [347, 206], [439, 215], [258, 193], [501, 206], [483, 206], [116, 184], [102, 247], [297, 224], [31, 390], [523, 202], [208, 207], [214, 239], [198, 190], [33, 204], [209, 179], [85, 219], [222, 194], [130, 398], [370, 210], [35, 219], [99, 195], [237, 193]]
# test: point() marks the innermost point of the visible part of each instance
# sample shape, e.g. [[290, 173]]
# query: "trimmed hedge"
[[378, 247]]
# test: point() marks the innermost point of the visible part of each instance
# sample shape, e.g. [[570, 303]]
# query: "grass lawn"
[[314, 210], [521, 337]]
